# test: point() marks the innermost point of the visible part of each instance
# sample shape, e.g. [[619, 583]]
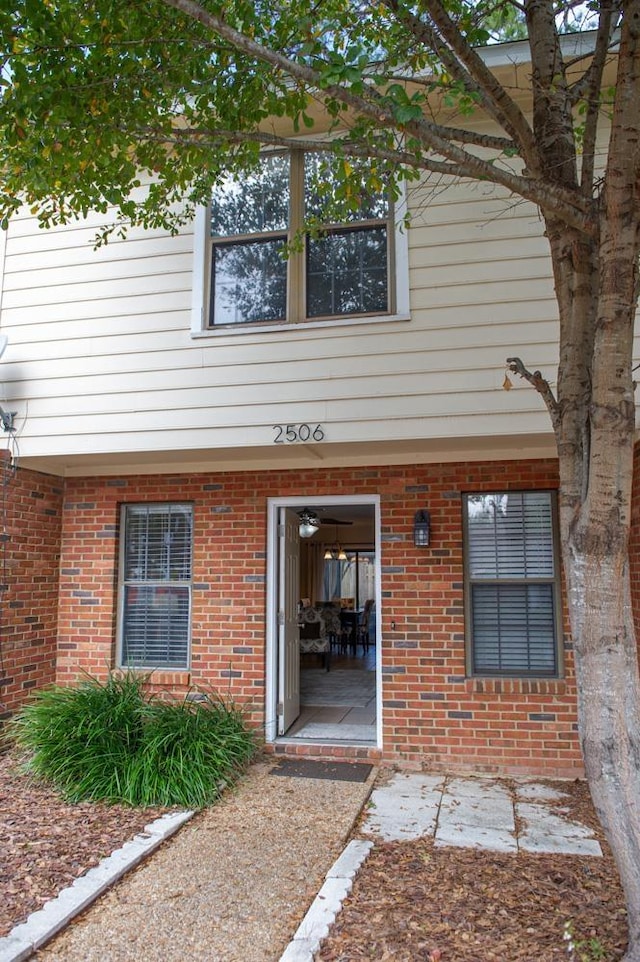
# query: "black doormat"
[[336, 771]]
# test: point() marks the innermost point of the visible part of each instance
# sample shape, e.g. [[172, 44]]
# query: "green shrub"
[[188, 751], [108, 741]]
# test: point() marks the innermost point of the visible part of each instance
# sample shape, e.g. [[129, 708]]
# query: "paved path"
[[478, 813], [468, 812], [232, 885]]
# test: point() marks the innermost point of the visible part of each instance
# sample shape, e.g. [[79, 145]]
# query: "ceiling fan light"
[[342, 554], [309, 523], [328, 555]]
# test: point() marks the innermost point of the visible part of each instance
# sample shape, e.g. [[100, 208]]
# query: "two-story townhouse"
[[211, 440]]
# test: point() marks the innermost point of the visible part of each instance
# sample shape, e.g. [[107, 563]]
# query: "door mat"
[[336, 771]]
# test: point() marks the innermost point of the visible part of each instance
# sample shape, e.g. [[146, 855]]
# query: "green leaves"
[[109, 742], [133, 110], [404, 108]]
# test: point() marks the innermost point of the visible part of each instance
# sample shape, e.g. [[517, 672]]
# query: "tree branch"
[[353, 148], [460, 135], [428, 37], [552, 115], [594, 75], [566, 204], [508, 113], [542, 387], [529, 190]]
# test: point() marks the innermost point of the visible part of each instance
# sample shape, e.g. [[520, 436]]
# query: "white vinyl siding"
[[511, 583], [101, 357], [110, 365], [155, 585]]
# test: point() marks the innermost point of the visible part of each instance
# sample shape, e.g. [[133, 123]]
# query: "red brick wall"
[[433, 715], [30, 523]]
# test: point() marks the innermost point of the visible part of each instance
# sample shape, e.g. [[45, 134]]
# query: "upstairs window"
[[512, 584], [155, 585], [339, 270]]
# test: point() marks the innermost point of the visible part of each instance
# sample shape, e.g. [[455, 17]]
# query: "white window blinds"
[[512, 583], [156, 585]]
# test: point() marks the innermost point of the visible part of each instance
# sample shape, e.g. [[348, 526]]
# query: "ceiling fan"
[[309, 517]]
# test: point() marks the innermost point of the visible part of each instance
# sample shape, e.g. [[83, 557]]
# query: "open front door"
[[288, 631]]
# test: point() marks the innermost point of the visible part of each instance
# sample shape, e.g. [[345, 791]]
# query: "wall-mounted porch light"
[[6, 420], [421, 529]]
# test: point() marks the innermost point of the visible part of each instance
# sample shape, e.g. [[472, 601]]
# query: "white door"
[[288, 631]]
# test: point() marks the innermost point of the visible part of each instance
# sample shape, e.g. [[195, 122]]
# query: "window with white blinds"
[[155, 585], [512, 598]]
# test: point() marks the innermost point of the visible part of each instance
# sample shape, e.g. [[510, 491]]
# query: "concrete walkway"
[[477, 813], [468, 812], [230, 885]]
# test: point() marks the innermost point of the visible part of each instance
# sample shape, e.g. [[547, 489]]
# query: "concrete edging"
[[24, 939], [327, 903]]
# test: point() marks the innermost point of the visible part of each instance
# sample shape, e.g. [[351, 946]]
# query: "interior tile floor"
[[337, 706]]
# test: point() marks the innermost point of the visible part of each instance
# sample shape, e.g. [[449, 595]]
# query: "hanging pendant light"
[[336, 552]]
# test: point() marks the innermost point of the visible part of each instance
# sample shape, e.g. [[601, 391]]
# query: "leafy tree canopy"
[[102, 96]]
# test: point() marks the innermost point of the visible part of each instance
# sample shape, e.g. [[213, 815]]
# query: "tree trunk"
[[595, 499], [596, 284], [609, 702], [595, 447]]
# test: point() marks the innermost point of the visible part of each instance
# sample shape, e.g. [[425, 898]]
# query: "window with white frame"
[[155, 585], [264, 269], [512, 583]]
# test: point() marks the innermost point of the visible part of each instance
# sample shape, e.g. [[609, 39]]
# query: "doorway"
[[331, 696]]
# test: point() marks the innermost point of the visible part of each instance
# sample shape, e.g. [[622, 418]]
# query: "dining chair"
[[363, 625], [330, 614], [314, 638]]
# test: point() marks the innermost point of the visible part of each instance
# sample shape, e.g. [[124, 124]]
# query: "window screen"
[[512, 583], [156, 585]]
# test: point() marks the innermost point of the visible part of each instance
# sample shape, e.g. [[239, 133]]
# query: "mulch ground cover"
[[415, 902], [45, 844], [411, 902]]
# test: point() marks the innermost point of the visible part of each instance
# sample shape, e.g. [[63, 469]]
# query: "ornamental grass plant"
[[112, 742]]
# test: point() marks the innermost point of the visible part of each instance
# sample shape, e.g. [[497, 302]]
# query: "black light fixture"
[[309, 523], [421, 529]]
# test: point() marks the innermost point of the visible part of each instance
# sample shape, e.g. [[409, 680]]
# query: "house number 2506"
[[290, 433]]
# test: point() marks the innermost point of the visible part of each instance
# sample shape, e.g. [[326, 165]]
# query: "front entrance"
[[323, 618]]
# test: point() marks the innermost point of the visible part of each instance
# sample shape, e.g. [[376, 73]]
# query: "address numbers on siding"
[[296, 433]]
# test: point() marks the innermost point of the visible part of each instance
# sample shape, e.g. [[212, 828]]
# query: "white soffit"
[[321, 456]]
